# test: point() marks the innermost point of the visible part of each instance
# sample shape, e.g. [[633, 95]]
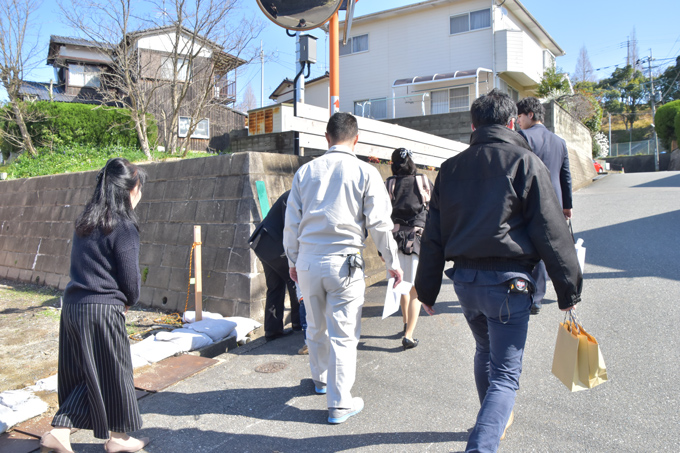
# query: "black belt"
[[493, 264]]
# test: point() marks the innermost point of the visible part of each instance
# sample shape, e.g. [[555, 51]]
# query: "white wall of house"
[[415, 44], [418, 42], [165, 43], [316, 94]]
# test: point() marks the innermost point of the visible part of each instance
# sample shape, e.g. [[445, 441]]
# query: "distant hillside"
[[642, 128]]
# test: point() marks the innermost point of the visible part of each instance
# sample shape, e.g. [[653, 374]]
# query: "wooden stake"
[[198, 288]]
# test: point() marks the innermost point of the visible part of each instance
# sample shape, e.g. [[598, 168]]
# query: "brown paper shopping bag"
[[578, 361], [596, 371], [565, 360]]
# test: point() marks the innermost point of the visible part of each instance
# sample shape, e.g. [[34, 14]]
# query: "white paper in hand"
[[581, 254], [393, 295]]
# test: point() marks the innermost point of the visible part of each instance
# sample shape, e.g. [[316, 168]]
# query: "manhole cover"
[[270, 367]]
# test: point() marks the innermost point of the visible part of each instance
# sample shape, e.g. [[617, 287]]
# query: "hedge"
[[60, 123], [665, 122], [677, 128]]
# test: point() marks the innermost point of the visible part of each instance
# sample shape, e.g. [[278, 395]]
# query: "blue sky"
[[603, 27]]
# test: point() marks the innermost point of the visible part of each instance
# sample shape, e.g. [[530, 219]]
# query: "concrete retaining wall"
[[456, 126], [219, 193], [638, 164], [579, 143]]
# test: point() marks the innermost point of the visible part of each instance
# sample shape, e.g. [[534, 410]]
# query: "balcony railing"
[[225, 90]]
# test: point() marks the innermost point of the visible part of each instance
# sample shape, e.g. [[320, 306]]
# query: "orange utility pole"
[[334, 70]]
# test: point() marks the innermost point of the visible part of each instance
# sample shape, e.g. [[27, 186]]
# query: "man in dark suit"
[[552, 150], [267, 243]]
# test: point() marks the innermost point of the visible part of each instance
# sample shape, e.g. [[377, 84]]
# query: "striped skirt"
[[95, 383]]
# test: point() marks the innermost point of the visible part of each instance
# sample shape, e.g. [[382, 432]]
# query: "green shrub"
[[60, 123], [677, 130], [665, 122], [67, 159]]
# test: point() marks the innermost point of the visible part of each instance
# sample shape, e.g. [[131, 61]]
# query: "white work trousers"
[[334, 297]]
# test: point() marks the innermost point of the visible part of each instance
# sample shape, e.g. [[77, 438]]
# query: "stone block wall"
[[579, 143], [454, 126], [219, 193], [36, 226], [642, 163]]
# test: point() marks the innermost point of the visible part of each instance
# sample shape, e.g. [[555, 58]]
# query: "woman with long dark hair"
[[95, 383], [410, 195]]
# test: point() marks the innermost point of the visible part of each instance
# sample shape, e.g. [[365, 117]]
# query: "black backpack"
[[408, 236]]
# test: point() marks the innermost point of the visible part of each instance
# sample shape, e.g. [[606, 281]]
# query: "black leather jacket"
[[494, 208]]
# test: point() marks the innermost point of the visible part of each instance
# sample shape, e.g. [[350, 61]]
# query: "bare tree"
[[108, 24], [584, 70], [207, 43], [170, 65], [17, 55], [249, 102]]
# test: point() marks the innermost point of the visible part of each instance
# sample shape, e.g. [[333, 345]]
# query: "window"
[[475, 20], [480, 19], [83, 76], [371, 108], [202, 129], [513, 93], [451, 100], [548, 60], [360, 44], [183, 72], [354, 45], [460, 24], [459, 99], [439, 102]]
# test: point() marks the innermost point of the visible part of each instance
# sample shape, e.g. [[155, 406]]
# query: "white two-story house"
[[438, 56]]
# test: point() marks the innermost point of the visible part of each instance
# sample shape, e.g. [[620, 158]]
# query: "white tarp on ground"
[[154, 351], [45, 385], [190, 316], [216, 329], [17, 406], [243, 327], [186, 339]]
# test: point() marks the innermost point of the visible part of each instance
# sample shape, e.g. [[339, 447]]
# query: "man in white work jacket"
[[334, 200]]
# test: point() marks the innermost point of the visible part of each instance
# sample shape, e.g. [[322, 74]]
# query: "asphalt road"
[[424, 399]]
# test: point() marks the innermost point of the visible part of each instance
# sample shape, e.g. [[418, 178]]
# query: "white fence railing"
[[376, 138], [633, 148]]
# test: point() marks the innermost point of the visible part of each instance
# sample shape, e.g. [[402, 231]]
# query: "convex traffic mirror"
[[299, 15]]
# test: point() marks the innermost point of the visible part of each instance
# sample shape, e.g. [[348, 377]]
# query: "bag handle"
[[574, 322], [571, 230]]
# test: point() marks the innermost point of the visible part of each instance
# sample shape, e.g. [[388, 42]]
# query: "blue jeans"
[[303, 318], [499, 322], [302, 311]]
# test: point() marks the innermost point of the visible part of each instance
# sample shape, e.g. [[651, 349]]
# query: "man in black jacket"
[[495, 214], [267, 242], [552, 150]]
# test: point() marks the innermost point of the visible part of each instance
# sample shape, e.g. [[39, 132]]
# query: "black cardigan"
[[105, 268]]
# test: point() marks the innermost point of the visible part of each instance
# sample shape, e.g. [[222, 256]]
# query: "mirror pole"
[[300, 84], [334, 70]]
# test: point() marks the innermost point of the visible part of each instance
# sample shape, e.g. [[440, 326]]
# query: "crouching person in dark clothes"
[[495, 214], [95, 384], [267, 243]]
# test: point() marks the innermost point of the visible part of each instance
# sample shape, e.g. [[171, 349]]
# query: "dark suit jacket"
[[552, 150], [271, 248]]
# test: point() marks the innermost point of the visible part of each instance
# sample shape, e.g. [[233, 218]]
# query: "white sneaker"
[[338, 415]]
